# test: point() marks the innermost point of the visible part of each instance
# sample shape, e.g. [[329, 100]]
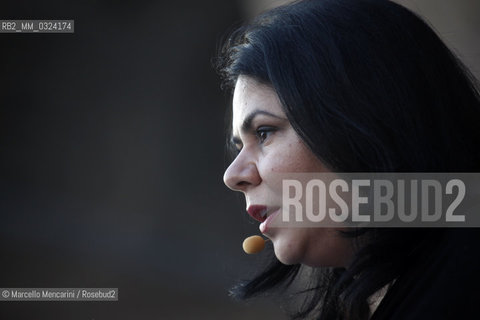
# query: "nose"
[[242, 174]]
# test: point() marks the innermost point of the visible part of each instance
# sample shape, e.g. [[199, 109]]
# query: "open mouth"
[[260, 212]]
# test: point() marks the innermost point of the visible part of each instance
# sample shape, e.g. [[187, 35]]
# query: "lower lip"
[[264, 225]]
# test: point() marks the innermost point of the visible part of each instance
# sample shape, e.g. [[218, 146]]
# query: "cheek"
[[295, 158]]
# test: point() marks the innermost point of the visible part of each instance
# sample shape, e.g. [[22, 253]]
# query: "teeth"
[[264, 213]]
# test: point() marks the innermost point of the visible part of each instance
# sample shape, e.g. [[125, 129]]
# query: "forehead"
[[249, 96]]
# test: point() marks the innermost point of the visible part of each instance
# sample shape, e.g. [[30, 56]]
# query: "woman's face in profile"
[[267, 146]]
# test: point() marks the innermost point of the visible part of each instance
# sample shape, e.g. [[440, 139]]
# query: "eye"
[[235, 146], [263, 133]]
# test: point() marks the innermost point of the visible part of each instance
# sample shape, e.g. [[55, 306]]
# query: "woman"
[[354, 86]]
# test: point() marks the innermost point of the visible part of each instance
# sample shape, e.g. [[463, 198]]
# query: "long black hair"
[[369, 87]]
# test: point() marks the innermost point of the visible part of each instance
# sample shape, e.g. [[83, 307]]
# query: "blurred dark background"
[[112, 158]]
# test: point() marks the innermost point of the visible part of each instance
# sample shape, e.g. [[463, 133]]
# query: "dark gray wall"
[[112, 160]]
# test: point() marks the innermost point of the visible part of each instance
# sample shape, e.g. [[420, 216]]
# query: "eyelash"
[[260, 133], [263, 130]]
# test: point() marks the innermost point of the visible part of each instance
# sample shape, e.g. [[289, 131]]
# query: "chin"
[[287, 252], [293, 247]]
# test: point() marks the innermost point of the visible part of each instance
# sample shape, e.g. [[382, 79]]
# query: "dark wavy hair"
[[369, 87]]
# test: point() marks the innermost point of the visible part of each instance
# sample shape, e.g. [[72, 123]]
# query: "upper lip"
[[258, 212]]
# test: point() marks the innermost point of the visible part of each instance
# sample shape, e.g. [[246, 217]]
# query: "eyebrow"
[[247, 123]]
